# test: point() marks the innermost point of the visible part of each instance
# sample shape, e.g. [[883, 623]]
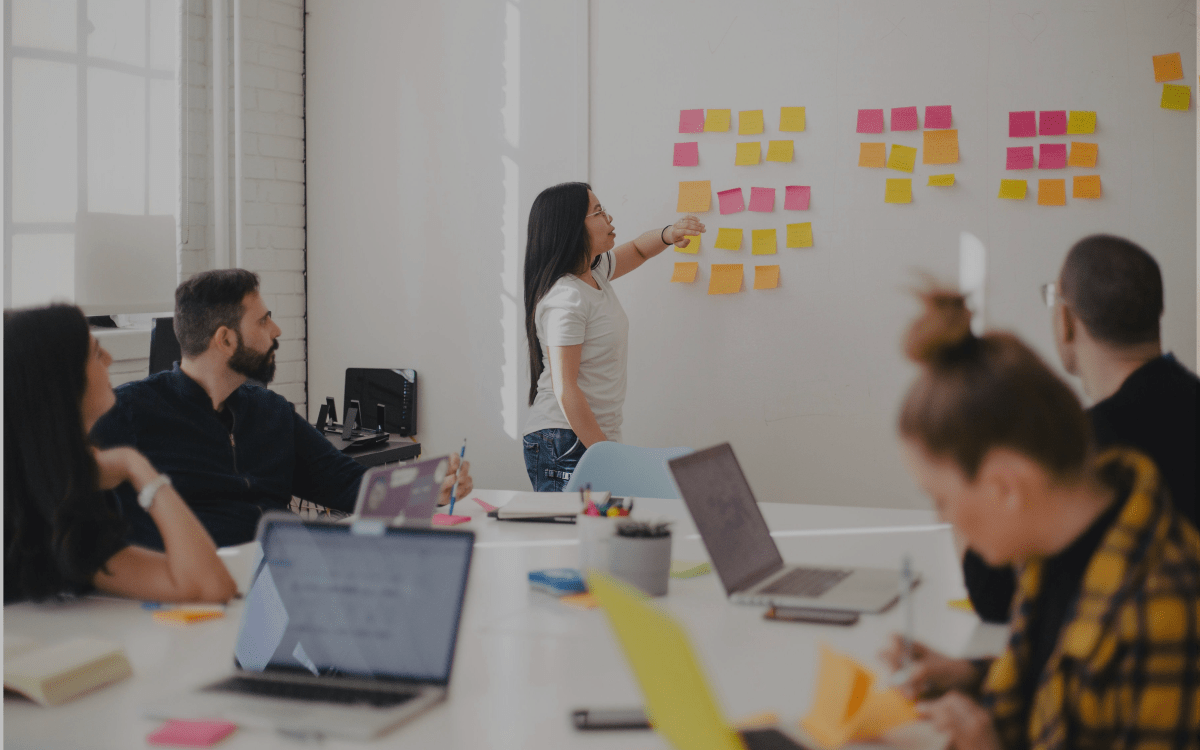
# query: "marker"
[[454, 489]]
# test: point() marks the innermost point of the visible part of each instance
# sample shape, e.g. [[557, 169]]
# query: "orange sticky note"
[[779, 150], [846, 706], [725, 278], [1168, 67], [791, 119], [941, 147], [872, 155], [693, 245], [1176, 97], [748, 152], [800, 235], [750, 122], [766, 277], [1081, 123], [899, 190], [1052, 192], [903, 157], [762, 242], [1014, 189], [685, 272], [580, 601], [716, 121], [1082, 154], [941, 180], [1086, 186], [187, 614], [695, 196]]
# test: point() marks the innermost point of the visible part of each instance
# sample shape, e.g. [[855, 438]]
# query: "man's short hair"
[[208, 301], [1115, 288]]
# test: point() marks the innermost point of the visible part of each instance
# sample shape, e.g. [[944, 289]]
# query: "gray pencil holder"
[[644, 562]]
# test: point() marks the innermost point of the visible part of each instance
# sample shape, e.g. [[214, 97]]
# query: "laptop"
[[405, 494], [347, 630], [679, 703], [746, 557]]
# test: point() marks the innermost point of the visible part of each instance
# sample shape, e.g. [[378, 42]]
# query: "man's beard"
[[246, 361]]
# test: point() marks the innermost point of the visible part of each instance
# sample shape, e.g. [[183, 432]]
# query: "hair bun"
[[943, 328]]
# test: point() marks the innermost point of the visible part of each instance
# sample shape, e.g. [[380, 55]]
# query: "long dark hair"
[[558, 244], [54, 522]]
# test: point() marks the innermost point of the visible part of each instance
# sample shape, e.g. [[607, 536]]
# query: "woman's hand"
[[931, 673], [968, 724], [123, 464], [460, 473], [688, 225]]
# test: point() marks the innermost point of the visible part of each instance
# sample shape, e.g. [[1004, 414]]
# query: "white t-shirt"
[[574, 312]]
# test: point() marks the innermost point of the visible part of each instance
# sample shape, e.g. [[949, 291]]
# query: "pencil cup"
[[595, 535], [644, 562]]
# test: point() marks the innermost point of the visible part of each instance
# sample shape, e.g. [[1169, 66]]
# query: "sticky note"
[[762, 199], [847, 707], [902, 158], [1052, 122], [963, 604], [177, 733], [186, 614], [687, 154], [1019, 157], [796, 197], [766, 277], [1168, 67], [750, 122], [748, 152], [693, 245], [731, 201], [762, 242], [580, 601], [690, 568], [800, 235], [941, 180], [485, 505], [1082, 154], [938, 117], [1176, 97], [685, 272], [779, 150], [1022, 124], [1052, 156], [691, 121], [1086, 186], [716, 121], [1052, 192], [872, 155], [870, 121], [941, 147], [1080, 123], [904, 118], [899, 190], [728, 239], [1013, 189], [441, 519], [694, 197], [725, 278], [791, 119]]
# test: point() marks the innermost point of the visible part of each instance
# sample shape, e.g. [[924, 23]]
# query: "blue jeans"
[[550, 457]]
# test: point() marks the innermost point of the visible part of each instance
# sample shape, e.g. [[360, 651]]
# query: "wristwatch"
[[146, 496]]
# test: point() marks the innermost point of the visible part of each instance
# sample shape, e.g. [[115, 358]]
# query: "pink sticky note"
[[691, 121], [870, 121], [938, 117], [1052, 122], [731, 201], [1022, 124], [796, 197], [177, 733], [687, 154], [441, 519], [762, 199], [904, 118], [486, 506], [1020, 157], [1053, 156]]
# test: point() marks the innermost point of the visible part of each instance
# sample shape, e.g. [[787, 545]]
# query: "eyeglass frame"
[[1050, 293], [599, 210]]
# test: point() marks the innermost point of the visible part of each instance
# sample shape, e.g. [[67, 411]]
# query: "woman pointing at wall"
[[577, 330]]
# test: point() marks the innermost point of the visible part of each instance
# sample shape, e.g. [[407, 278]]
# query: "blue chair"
[[626, 470]]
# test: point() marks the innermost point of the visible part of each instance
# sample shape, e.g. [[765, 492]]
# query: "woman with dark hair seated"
[[62, 530]]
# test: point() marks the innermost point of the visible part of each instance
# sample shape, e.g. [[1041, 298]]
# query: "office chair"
[[164, 347], [627, 470]]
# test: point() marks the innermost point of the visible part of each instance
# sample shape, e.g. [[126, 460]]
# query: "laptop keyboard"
[[806, 582], [309, 692]]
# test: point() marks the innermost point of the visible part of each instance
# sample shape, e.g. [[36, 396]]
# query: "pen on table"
[[461, 454]]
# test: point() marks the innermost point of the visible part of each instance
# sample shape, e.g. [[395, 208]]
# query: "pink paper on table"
[[441, 519], [796, 197], [938, 118], [486, 506], [1052, 156], [870, 121], [904, 118], [691, 121], [1022, 124], [1052, 122], [731, 201], [687, 154], [762, 199], [1020, 157], [176, 733]]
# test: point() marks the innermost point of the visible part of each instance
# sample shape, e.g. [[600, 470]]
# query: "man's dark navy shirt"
[[231, 466]]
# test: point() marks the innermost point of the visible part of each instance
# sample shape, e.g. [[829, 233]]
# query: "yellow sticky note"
[[695, 196], [1082, 154], [1079, 123], [750, 122], [1086, 186], [685, 272], [748, 152], [941, 147], [1052, 192], [1013, 189], [1176, 97], [872, 154], [762, 242], [800, 235], [728, 239], [903, 157], [779, 150], [899, 190], [766, 277], [1168, 67], [963, 604], [791, 119], [941, 180], [725, 278], [716, 120], [693, 245]]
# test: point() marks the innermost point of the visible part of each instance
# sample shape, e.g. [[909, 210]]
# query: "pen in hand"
[[461, 454]]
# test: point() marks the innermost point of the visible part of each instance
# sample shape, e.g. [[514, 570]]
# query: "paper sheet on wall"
[[872, 155], [716, 121], [938, 117], [728, 238], [1052, 192], [685, 273], [687, 155], [766, 277], [800, 235], [1082, 154], [748, 153], [762, 242], [694, 196], [1168, 67], [725, 278], [941, 180], [750, 122], [693, 245], [797, 197], [779, 151], [762, 199], [791, 119], [1013, 189], [941, 147], [904, 118], [903, 157], [1081, 122], [731, 201], [1176, 97], [899, 190], [1086, 186]]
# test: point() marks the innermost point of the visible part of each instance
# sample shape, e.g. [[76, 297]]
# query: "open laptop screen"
[[329, 601]]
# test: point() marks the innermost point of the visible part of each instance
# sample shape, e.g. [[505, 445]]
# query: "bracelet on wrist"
[[663, 235], [146, 496]]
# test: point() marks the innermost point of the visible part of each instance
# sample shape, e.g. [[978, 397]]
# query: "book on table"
[[529, 506], [53, 675]]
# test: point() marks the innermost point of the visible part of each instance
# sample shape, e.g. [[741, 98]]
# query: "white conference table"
[[524, 660]]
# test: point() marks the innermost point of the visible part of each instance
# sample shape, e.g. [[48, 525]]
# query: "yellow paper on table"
[[750, 122], [1052, 192], [695, 196], [748, 152], [800, 235], [693, 245], [941, 147], [845, 706], [941, 180], [725, 278], [791, 119], [872, 155], [779, 150], [766, 277], [1079, 123], [716, 120], [685, 273], [899, 190], [728, 239], [1082, 154], [1013, 189], [1086, 186], [762, 242], [903, 158], [1176, 97]]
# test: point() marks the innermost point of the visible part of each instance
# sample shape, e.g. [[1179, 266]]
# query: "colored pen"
[[454, 489]]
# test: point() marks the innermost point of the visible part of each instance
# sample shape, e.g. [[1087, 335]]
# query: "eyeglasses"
[[599, 210], [1049, 293]]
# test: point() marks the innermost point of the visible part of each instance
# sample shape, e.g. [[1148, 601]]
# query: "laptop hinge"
[[758, 576]]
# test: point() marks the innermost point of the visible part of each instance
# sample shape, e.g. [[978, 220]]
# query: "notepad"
[[725, 278], [716, 121], [442, 519], [53, 675], [485, 505], [177, 733], [800, 235], [1052, 192], [687, 154], [1086, 186], [1176, 97], [903, 158], [1052, 122], [691, 121], [580, 601], [870, 121], [731, 201], [694, 196], [898, 190], [797, 197], [766, 277], [847, 707], [762, 199], [762, 242], [1013, 189], [690, 568], [872, 155], [938, 116], [941, 180], [904, 118], [1080, 123], [1022, 124], [1052, 156], [748, 154], [1168, 67], [1019, 157]]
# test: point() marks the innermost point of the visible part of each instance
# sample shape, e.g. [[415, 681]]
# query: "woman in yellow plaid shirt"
[[1104, 646]]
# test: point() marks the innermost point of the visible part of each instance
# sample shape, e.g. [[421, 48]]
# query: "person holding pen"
[[577, 330]]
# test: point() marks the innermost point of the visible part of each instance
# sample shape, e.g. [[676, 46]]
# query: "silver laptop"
[[744, 554], [404, 494], [347, 630]]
